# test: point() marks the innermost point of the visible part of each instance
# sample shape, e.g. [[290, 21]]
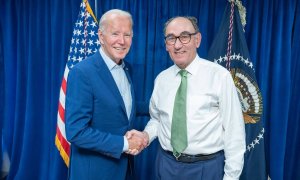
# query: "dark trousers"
[[130, 173], [168, 168]]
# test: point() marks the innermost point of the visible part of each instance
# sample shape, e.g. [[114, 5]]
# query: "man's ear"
[[100, 36], [198, 39]]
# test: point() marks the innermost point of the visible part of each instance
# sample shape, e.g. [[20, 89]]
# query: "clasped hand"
[[137, 141]]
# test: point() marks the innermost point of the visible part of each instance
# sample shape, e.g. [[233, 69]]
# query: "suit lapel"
[[108, 79], [132, 92]]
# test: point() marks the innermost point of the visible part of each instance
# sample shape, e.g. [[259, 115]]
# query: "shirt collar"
[[191, 68], [109, 62]]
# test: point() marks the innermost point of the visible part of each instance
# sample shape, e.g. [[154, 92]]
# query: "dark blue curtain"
[[292, 164], [1, 94], [35, 37]]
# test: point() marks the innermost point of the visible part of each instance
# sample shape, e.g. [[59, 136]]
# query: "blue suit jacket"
[[96, 121]]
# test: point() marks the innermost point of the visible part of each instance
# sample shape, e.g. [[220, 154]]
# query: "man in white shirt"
[[214, 143]]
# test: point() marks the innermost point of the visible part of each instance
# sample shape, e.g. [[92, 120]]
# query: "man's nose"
[[121, 39], [178, 43]]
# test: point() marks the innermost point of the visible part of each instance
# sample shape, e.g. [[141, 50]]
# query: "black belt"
[[186, 158]]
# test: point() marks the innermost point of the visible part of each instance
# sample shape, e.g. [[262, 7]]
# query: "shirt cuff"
[[150, 135], [125, 147]]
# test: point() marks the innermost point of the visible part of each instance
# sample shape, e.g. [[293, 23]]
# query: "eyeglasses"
[[184, 38]]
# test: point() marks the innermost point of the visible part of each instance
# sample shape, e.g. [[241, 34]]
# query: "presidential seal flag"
[[84, 43], [230, 50]]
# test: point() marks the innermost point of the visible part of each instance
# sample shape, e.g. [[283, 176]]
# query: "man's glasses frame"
[[184, 38]]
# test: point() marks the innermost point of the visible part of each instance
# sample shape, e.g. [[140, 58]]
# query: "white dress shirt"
[[214, 115]]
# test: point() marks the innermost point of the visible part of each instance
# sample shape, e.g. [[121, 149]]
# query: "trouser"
[[168, 168]]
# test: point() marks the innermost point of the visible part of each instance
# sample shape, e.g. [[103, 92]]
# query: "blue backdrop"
[[35, 37]]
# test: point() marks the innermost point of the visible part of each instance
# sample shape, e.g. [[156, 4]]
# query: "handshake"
[[137, 141]]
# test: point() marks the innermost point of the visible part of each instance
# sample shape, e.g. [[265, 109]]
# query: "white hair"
[[118, 12]]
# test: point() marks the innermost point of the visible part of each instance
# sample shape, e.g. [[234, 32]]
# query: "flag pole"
[[96, 8]]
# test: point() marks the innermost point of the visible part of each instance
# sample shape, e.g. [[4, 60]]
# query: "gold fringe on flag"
[[242, 11], [89, 9]]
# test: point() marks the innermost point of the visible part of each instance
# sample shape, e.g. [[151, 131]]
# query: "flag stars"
[[71, 66], [81, 51], [89, 51], [251, 65], [256, 140], [85, 32], [92, 33], [260, 136], [98, 42], [79, 23], [82, 14], [93, 24], [83, 42], [220, 59], [80, 58], [236, 57], [232, 57], [90, 42], [246, 61], [74, 32]]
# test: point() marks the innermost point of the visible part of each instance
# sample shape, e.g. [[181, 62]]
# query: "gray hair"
[[192, 19], [103, 19]]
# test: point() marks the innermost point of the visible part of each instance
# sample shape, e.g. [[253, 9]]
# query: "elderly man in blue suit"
[[100, 106]]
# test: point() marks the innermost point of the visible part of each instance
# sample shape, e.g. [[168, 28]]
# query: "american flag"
[[84, 43]]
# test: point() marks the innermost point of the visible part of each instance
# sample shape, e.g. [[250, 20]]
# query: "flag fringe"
[[242, 11], [62, 152], [89, 9]]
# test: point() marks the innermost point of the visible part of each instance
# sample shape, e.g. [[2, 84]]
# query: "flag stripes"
[[84, 43]]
